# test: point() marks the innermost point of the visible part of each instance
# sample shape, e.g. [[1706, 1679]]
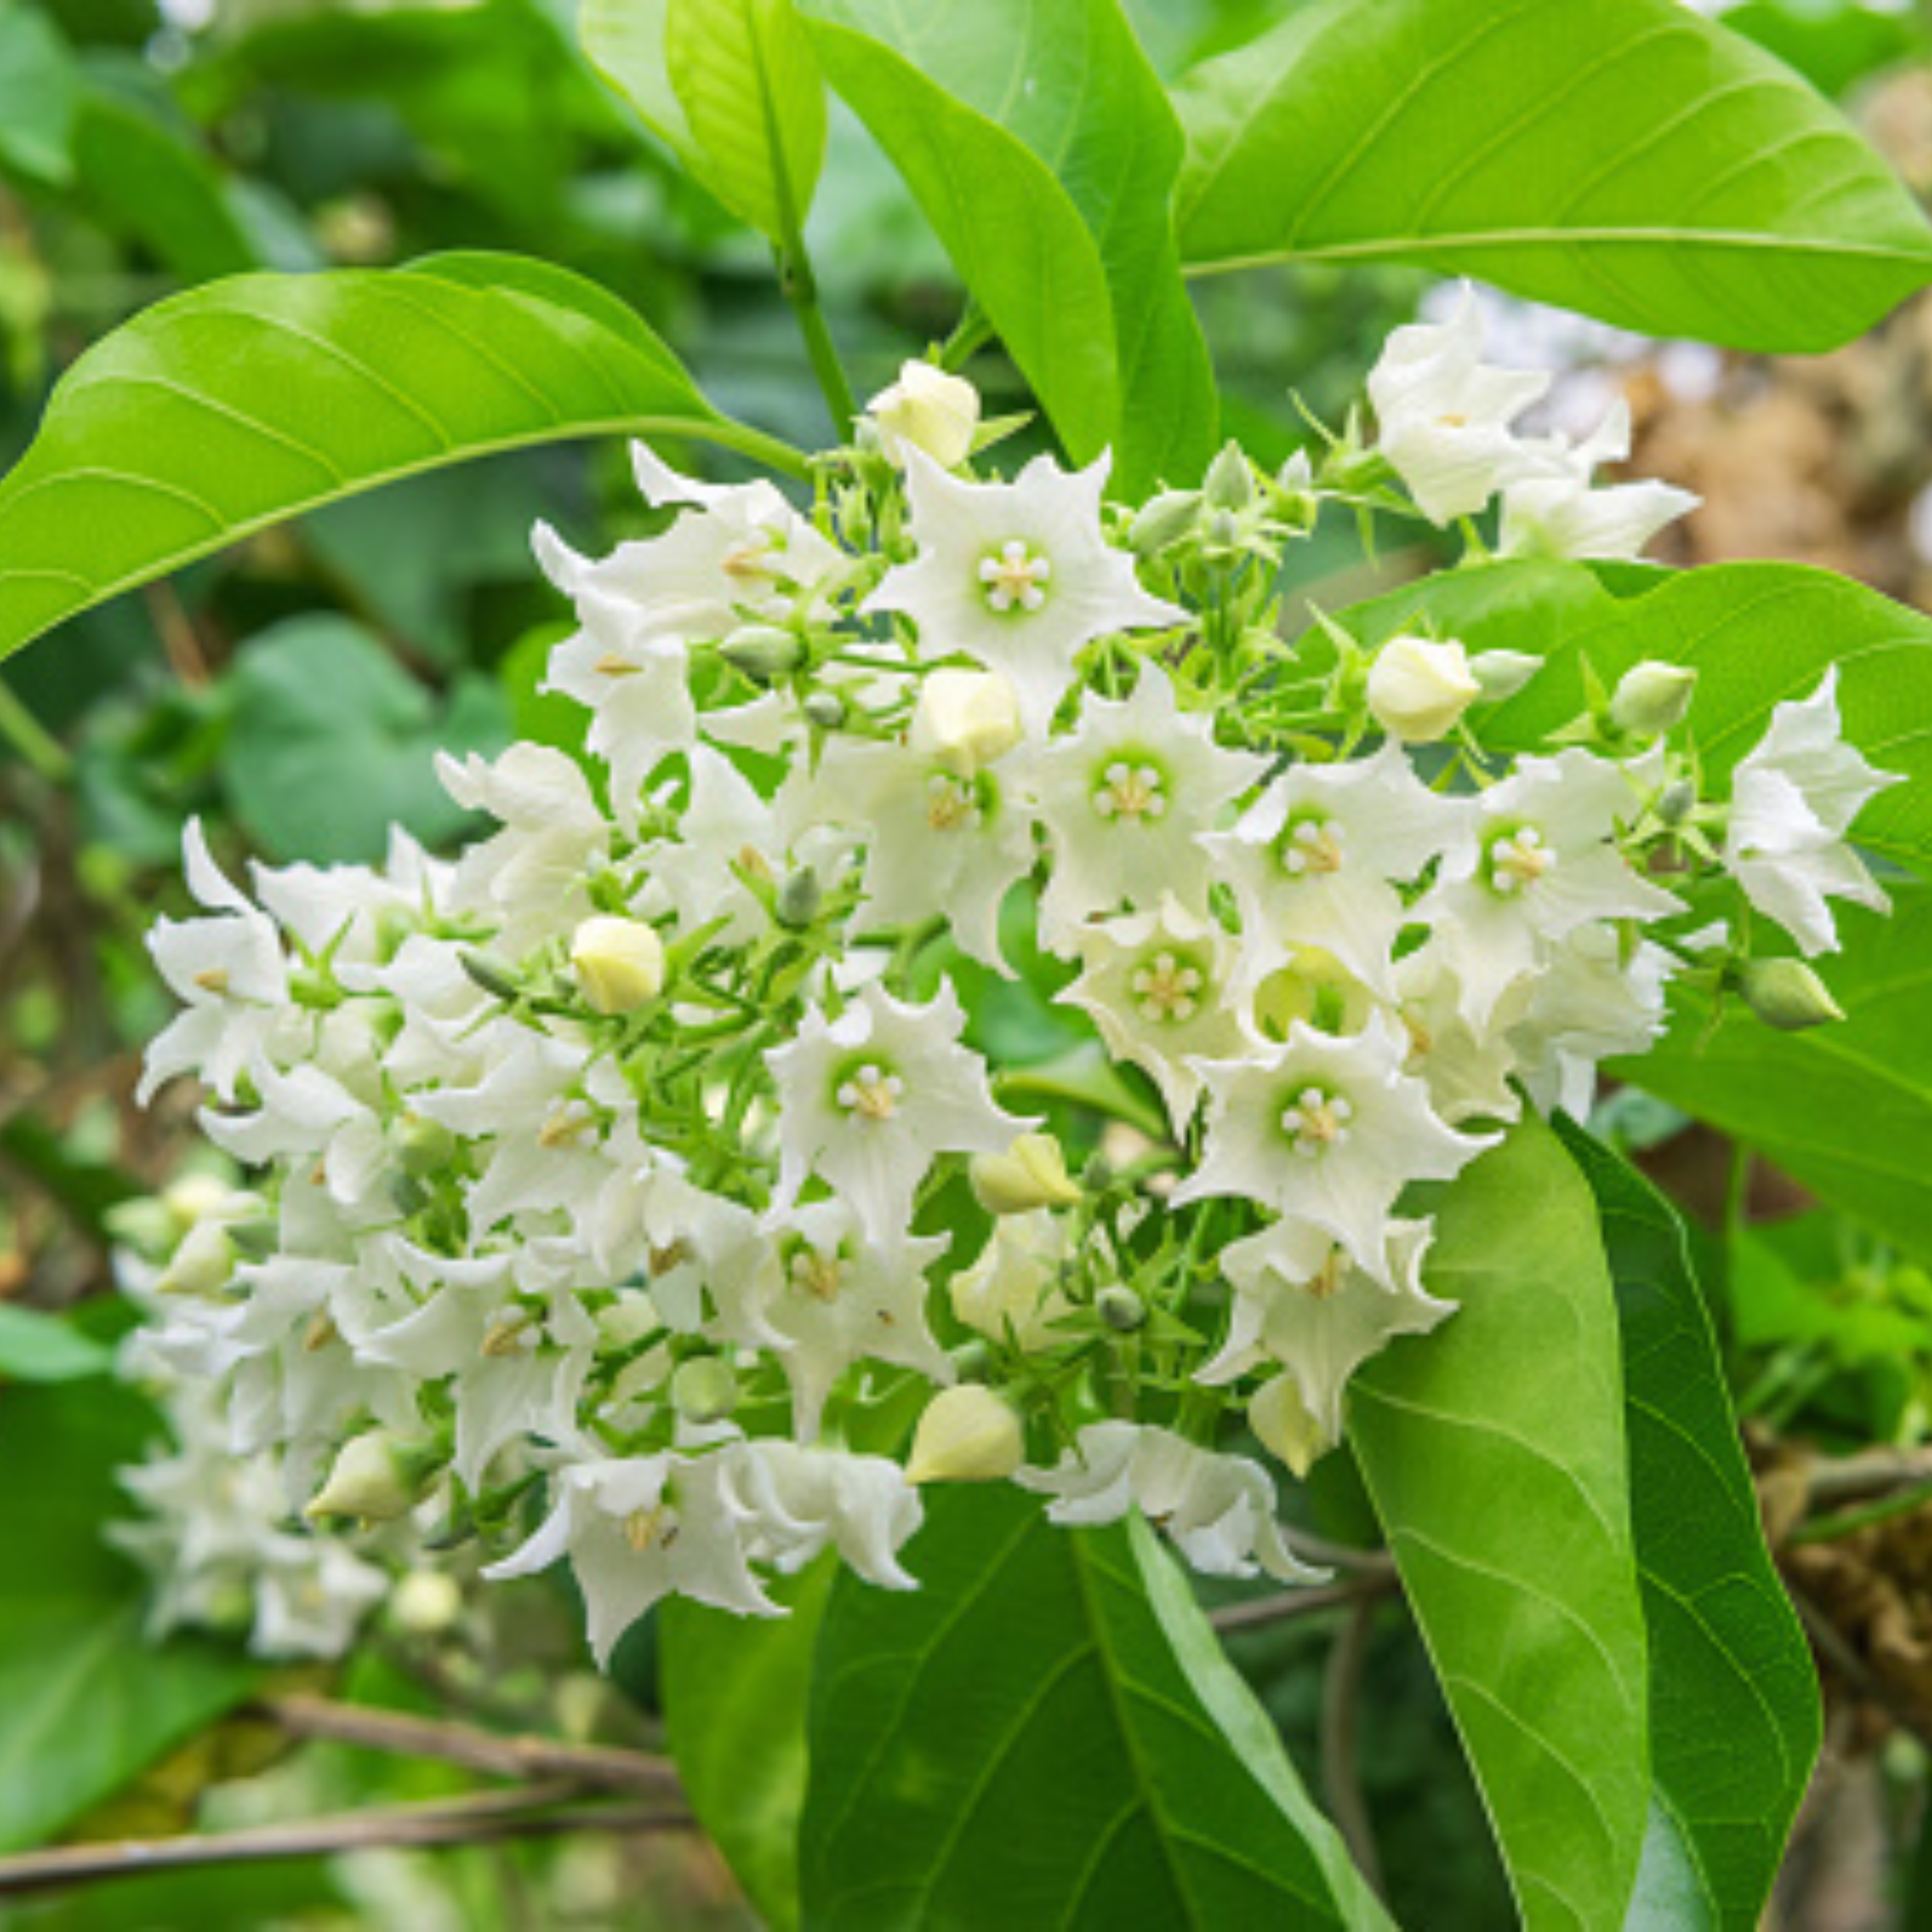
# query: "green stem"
[[801, 288], [38, 746], [973, 332], [769, 450]]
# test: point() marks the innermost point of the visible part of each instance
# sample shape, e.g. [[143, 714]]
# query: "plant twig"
[[1289, 1604], [484, 1818], [1831, 1643], [582, 1767], [1341, 1774]]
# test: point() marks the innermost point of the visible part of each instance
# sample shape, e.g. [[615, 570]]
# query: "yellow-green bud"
[[492, 975], [1503, 674], [762, 652], [799, 899], [1164, 520], [1280, 1418], [424, 1146], [1418, 688], [703, 1390], [825, 709], [966, 720], [1787, 993], [1120, 1308], [1651, 698], [203, 1265], [1032, 1173], [426, 1602], [376, 1477], [966, 1434], [930, 409], [1229, 484], [620, 963]]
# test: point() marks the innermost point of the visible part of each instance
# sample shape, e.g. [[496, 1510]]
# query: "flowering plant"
[[1013, 1038]]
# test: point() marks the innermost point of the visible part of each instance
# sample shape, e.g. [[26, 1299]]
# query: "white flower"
[[1158, 986], [1329, 1130], [1218, 1511], [1011, 1292], [1559, 513], [845, 1299], [1123, 798], [636, 1528], [1543, 861], [711, 1268], [1418, 688], [1595, 998], [869, 1098], [1017, 575], [797, 1500], [1444, 414], [230, 974], [929, 410], [1793, 799], [1467, 1073], [936, 842], [1301, 1301], [1316, 861]]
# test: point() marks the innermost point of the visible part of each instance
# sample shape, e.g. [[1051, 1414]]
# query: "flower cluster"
[[620, 1182]]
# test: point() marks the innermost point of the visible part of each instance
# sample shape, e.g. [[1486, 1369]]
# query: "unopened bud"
[[1280, 1418], [966, 720], [1418, 688], [194, 1197], [203, 1265], [763, 652], [1651, 698], [966, 1434], [426, 1602], [620, 963], [1229, 484], [1503, 674], [1032, 1173], [1120, 1308], [492, 975], [799, 899], [930, 409], [1677, 801], [423, 1146], [1164, 521], [1787, 993], [824, 709], [703, 1390], [377, 1477]]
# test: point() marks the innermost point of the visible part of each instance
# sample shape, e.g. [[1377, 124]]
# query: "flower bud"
[[1418, 688], [1280, 1418], [966, 1434], [426, 1602], [1164, 521], [492, 975], [203, 1265], [1651, 698], [1503, 674], [931, 410], [620, 963], [424, 1147], [1032, 1173], [763, 652], [377, 1477], [966, 720], [1787, 993], [1230, 481], [799, 899], [703, 1390], [1120, 1308], [1677, 801], [195, 1197], [824, 709]]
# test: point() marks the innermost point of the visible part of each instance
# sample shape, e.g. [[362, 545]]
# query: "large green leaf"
[[1495, 1456], [221, 411], [736, 1692], [1734, 1722], [1047, 1735], [39, 91], [86, 1703], [40, 1348], [1756, 633], [1624, 157], [1043, 151], [1846, 1107]]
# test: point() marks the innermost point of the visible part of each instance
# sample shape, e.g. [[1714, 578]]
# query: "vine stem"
[[39, 748], [1341, 1770]]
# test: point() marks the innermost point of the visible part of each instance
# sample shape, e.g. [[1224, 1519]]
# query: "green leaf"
[[38, 1348], [39, 90], [215, 414], [332, 743], [86, 1703], [1734, 1722], [1846, 1108], [1756, 633], [1046, 1734], [1496, 1457], [736, 1691], [744, 73], [1624, 157], [1039, 144], [624, 40]]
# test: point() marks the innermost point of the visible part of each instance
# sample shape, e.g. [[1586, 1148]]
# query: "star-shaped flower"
[[1018, 576]]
